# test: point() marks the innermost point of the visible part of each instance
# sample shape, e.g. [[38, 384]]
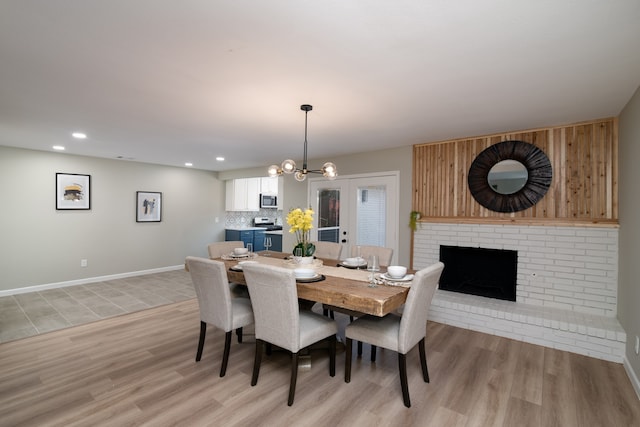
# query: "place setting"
[[307, 275], [241, 254], [396, 275]]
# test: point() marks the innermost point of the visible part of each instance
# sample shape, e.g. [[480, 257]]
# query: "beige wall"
[[629, 275], [40, 245]]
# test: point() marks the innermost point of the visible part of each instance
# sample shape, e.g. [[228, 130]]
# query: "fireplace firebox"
[[477, 271]]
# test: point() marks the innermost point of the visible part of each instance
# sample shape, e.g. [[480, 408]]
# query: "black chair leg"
[[256, 362], [402, 364], [239, 334], [332, 355], [423, 361], [294, 378], [331, 315], [269, 349], [325, 312], [203, 333], [225, 355], [359, 348], [347, 360], [373, 353]]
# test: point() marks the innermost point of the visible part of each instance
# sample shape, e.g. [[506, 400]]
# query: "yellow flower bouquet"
[[301, 223]]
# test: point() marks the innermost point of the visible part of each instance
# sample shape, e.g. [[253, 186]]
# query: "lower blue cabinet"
[[255, 237]]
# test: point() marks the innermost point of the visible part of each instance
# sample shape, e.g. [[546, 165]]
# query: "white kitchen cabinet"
[[269, 186], [243, 194]]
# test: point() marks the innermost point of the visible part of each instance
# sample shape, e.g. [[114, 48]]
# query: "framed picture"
[[148, 206], [73, 191]]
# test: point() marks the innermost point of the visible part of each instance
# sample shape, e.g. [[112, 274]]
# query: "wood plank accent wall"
[[584, 190]]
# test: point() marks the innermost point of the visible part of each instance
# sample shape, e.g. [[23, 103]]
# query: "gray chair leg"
[[423, 361], [225, 355], [294, 378], [402, 364], [347, 360], [256, 362], [203, 333]]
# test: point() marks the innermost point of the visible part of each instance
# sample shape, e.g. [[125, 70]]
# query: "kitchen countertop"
[[245, 228], [274, 232]]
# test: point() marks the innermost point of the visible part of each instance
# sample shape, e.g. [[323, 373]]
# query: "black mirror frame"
[[538, 182]]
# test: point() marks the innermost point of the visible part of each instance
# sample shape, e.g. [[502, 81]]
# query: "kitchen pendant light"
[[328, 170]]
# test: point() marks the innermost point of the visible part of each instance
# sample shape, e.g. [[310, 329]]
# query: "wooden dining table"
[[341, 287]]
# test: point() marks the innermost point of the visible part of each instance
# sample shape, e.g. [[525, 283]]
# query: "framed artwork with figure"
[[73, 191], [148, 206]]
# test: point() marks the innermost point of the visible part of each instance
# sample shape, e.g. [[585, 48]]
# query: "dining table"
[[338, 285]]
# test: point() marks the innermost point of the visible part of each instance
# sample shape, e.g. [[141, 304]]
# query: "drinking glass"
[[250, 248], [267, 245], [373, 266]]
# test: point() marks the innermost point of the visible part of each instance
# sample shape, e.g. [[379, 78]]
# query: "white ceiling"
[[169, 82]]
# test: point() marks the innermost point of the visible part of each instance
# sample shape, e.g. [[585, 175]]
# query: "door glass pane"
[[371, 215], [329, 215]]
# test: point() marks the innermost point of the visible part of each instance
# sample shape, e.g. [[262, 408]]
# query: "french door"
[[356, 210]]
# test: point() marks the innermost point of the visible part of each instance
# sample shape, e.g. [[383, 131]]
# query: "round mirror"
[[507, 176]]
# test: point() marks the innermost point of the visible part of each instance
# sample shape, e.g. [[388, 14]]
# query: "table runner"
[[342, 272]]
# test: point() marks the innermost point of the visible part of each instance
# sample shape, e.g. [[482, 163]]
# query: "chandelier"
[[328, 170]]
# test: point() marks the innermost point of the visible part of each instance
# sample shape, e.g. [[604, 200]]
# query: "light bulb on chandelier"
[[329, 170]]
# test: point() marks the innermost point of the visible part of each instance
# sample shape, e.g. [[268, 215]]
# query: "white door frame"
[[348, 183]]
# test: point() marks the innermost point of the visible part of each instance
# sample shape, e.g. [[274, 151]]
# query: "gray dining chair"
[[384, 259], [217, 308], [399, 333], [217, 250], [384, 254], [328, 250], [280, 322]]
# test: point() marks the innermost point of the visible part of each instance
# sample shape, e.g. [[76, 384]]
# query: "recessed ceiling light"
[[58, 147], [79, 135], [188, 164], [220, 159]]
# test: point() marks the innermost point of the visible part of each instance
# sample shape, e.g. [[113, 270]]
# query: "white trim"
[[37, 288], [632, 376]]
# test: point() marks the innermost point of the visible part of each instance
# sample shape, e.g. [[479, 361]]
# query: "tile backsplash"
[[245, 219]]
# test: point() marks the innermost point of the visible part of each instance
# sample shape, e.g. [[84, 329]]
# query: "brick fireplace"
[[566, 292]]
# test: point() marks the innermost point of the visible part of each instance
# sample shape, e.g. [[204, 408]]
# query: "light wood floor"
[[140, 369]]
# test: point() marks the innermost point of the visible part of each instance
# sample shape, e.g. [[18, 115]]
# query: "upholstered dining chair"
[[217, 308], [217, 250], [384, 254], [384, 258], [280, 322], [328, 250], [399, 333]]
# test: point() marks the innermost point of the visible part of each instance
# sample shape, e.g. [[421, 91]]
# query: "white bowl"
[[240, 251], [304, 273], [354, 261], [396, 271]]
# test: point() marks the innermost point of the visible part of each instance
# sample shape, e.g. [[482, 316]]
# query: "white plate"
[[406, 278], [354, 262]]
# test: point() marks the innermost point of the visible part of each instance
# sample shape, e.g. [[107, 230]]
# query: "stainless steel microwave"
[[268, 202]]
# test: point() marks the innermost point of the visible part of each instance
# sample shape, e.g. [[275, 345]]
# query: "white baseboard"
[[632, 376], [87, 280]]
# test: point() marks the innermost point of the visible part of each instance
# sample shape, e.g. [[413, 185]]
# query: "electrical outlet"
[[637, 345], [83, 263]]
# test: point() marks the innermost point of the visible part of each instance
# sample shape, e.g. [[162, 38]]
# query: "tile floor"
[[24, 315]]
